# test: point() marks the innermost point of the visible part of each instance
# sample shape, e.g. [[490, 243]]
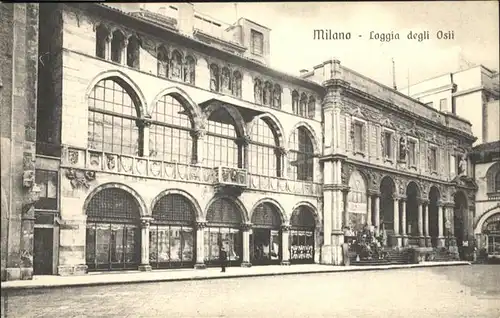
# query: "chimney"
[[186, 17]]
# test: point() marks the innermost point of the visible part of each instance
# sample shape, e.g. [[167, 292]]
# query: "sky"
[[474, 24]]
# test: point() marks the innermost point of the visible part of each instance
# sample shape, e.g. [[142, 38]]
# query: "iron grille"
[[174, 208], [114, 204], [224, 211], [266, 215]]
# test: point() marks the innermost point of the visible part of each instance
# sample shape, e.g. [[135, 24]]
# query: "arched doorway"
[[433, 210], [223, 229], [171, 235], [412, 196], [459, 221], [302, 227], [387, 190], [356, 217], [265, 241], [491, 228], [113, 238]]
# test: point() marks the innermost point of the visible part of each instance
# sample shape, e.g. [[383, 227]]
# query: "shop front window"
[[265, 238], [494, 244], [302, 235], [171, 235], [223, 231], [112, 235]]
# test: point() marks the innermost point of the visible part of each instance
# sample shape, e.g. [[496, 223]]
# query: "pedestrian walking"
[[223, 259]]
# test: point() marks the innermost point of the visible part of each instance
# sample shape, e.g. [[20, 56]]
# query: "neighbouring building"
[[162, 136], [471, 93]]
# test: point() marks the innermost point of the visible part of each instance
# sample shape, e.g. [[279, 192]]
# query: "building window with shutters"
[[257, 44]]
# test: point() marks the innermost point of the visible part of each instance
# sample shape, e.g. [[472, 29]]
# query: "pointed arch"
[[128, 85], [179, 94], [143, 210], [199, 213]]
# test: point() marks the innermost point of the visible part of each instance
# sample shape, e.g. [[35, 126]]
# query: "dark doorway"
[[43, 251], [387, 190], [433, 215]]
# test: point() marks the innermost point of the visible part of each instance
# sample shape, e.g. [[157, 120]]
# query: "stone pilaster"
[[396, 238], [421, 224], [368, 209], [200, 245], [425, 207], [441, 211], [246, 227], [404, 235], [285, 249], [199, 138], [377, 212]]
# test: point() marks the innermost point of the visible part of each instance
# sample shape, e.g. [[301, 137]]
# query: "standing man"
[[223, 259]]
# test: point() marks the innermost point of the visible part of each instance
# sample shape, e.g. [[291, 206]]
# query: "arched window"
[[303, 105], [101, 35], [112, 120], [265, 239], [311, 108], [237, 84], [176, 65], [301, 155], [189, 70], [117, 45], [214, 78], [257, 91], [162, 60], [277, 96], [268, 89], [295, 102], [133, 48], [171, 239], [222, 147], [497, 182], [302, 235], [264, 158], [170, 133], [113, 235]]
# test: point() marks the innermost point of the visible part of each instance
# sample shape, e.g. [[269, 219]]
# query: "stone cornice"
[[336, 156]]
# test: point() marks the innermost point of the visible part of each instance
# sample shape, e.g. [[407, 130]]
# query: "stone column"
[[396, 240], [285, 250], [246, 227], [200, 245], [403, 223], [368, 209], [345, 213], [109, 38], [283, 155], [145, 221], [28, 231], [377, 213], [425, 207], [420, 224], [145, 137], [124, 52], [243, 142], [441, 211]]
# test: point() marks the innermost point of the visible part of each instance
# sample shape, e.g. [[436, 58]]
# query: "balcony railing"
[[99, 161]]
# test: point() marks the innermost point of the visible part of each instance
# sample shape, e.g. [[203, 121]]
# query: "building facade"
[[164, 136], [471, 93]]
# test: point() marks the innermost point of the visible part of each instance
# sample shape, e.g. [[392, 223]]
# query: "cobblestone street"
[[458, 291]]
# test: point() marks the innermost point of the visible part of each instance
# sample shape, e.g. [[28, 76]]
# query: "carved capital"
[[285, 227], [245, 140], [246, 226], [198, 133], [282, 151], [200, 225], [146, 221]]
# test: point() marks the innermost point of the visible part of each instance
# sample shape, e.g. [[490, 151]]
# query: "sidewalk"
[[108, 278]]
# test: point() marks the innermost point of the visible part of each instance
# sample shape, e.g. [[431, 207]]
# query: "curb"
[[199, 278]]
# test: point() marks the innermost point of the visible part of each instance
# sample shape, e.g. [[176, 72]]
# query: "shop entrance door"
[[266, 247], [43, 251]]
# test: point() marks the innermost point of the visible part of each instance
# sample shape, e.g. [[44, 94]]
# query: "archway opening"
[[113, 238], [387, 191], [356, 203], [265, 241], [433, 210], [303, 225], [224, 219], [171, 235], [412, 196], [460, 220], [491, 229]]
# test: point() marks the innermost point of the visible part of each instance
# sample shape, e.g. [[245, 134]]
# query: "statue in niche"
[[277, 96], [176, 65], [214, 78], [462, 166], [402, 149], [267, 94], [257, 92], [225, 79]]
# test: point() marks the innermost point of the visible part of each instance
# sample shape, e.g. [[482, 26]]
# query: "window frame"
[[259, 36], [391, 133], [364, 125], [433, 166], [415, 142]]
